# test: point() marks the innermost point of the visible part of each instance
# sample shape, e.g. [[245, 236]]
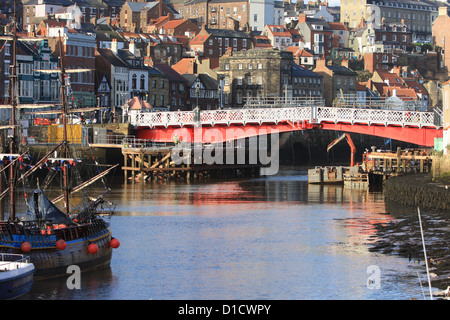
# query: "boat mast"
[[12, 141], [64, 119]]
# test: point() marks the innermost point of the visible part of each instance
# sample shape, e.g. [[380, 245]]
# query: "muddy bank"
[[401, 236], [417, 190]]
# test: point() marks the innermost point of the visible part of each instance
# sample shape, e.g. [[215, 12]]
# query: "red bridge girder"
[[220, 133]]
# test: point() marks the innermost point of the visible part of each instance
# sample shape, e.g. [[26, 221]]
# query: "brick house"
[[393, 36], [336, 80], [441, 36], [378, 61], [195, 10], [218, 41], [279, 36], [317, 35], [135, 16], [225, 14], [178, 90], [79, 51], [204, 44], [178, 27]]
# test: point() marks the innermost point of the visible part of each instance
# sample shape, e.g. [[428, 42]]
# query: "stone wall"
[[417, 190]]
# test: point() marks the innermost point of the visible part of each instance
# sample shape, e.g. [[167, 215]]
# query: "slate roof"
[[298, 71], [342, 70]]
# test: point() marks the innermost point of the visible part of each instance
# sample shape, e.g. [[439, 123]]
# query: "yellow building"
[[417, 15]]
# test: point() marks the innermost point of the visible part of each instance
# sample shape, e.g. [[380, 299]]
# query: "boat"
[[16, 275], [54, 238], [335, 174]]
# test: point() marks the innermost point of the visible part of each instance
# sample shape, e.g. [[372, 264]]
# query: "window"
[[142, 82], [239, 81], [240, 66], [153, 83], [260, 66], [250, 66], [226, 81], [161, 84], [249, 80], [255, 18], [234, 42], [134, 82]]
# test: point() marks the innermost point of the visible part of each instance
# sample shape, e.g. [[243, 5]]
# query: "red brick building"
[[441, 35]]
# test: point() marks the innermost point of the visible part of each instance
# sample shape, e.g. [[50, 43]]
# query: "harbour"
[[274, 237]]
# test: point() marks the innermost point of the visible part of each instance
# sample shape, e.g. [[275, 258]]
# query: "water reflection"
[[267, 238]]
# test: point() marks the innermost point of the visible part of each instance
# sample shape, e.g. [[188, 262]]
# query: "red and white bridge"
[[212, 126]]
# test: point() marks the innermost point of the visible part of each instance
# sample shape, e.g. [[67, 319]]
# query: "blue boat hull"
[[16, 283]]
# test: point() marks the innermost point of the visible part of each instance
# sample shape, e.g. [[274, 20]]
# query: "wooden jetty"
[[388, 163], [150, 161]]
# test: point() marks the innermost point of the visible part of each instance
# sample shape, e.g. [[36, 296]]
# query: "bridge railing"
[[375, 116], [312, 114]]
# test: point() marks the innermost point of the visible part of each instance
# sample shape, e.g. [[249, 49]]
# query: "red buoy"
[[92, 248], [114, 243], [25, 247], [61, 244]]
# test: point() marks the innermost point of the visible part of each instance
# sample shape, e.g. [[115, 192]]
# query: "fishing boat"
[[54, 238], [16, 275]]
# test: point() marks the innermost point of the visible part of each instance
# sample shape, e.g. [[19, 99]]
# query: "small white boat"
[[16, 275]]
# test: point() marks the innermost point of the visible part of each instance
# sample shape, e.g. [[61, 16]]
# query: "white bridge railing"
[[312, 114]]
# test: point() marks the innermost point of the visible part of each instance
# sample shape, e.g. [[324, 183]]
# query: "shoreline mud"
[[402, 236]]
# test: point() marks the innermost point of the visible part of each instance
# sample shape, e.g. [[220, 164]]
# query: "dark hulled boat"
[[54, 238]]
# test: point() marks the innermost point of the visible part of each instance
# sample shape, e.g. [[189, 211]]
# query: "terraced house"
[[418, 15]]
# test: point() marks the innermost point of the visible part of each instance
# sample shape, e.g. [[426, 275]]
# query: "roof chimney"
[[114, 45], [443, 11], [321, 62], [160, 8], [302, 18], [344, 63], [132, 48]]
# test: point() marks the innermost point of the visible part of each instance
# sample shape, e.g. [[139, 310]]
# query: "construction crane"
[[351, 144]]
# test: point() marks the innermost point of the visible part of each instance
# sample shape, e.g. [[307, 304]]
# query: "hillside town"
[[178, 55]]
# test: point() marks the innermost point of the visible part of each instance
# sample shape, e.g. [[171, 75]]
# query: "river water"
[[273, 237]]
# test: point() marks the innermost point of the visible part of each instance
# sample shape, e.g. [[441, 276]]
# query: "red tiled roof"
[[392, 77], [137, 104], [337, 26], [297, 52], [400, 92], [185, 65], [200, 39], [172, 24], [282, 33]]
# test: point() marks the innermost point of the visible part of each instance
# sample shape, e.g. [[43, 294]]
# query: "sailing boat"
[[55, 239]]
